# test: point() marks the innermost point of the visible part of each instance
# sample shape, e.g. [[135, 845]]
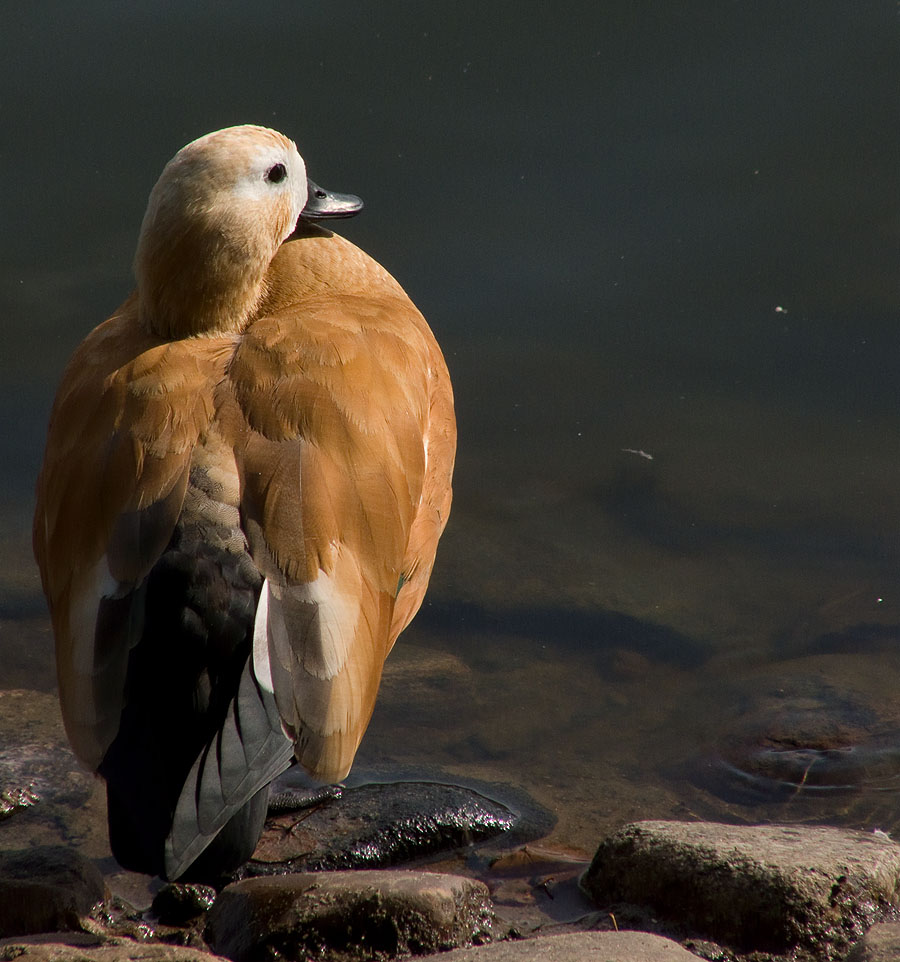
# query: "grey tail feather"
[[243, 757]]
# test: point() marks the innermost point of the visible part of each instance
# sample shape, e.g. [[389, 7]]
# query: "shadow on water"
[[561, 630], [858, 639]]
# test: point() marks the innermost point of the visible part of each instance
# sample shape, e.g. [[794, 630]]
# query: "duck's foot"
[[298, 799]]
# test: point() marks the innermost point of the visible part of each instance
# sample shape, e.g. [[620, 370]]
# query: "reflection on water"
[[663, 231]]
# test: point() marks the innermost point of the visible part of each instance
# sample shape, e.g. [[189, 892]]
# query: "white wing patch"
[[312, 630], [324, 653], [85, 604], [91, 681], [261, 666]]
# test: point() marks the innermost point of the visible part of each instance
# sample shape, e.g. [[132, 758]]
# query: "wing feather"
[[248, 751]]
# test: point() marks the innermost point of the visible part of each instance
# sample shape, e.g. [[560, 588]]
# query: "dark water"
[[659, 243]]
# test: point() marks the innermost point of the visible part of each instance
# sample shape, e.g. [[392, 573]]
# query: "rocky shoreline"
[[426, 868], [654, 890]]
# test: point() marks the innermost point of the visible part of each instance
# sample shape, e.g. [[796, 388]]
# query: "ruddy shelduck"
[[247, 471]]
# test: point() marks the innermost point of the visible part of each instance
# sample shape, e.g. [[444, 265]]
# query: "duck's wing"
[[434, 503], [337, 396], [126, 418]]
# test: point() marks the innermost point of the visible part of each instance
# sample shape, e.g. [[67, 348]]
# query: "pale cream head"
[[218, 213]]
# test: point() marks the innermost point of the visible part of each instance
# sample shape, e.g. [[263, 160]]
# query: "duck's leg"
[[298, 799]]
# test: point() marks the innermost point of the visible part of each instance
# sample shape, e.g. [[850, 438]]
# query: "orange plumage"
[[247, 472]]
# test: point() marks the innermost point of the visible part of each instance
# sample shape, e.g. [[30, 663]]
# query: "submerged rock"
[[348, 915], [46, 890], [35, 758], [377, 826], [754, 888], [45, 796], [819, 733]]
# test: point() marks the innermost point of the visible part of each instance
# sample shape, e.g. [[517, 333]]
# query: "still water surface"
[[659, 244]]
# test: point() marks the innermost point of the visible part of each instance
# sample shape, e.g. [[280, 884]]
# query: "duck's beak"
[[326, 204]]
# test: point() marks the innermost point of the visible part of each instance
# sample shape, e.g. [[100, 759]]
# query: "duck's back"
[[349, 406]]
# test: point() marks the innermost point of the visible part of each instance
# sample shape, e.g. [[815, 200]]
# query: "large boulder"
[[348, 915], [754, 888], [47, 889]]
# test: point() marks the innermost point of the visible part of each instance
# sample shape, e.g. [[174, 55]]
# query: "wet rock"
[[114, 917], [376, 826], [880, 944], [762, 888], [348, 915], [179, 903], [46, 890], [578, 947], [17, 798], [60, 947]]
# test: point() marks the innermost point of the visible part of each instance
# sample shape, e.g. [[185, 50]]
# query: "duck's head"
[[218, 213]]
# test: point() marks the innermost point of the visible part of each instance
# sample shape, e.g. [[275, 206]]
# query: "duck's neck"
[[195, 283]]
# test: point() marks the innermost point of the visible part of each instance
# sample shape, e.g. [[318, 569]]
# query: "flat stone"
[[880, 944], [46, 889], [754, 888], [62, 947], [578, 947], [348, 915], [378, 826]]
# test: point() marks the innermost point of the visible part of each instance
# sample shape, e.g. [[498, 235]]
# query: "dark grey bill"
[[326, 204]]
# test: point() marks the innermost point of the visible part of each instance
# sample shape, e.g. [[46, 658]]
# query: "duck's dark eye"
[[276, 173]]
